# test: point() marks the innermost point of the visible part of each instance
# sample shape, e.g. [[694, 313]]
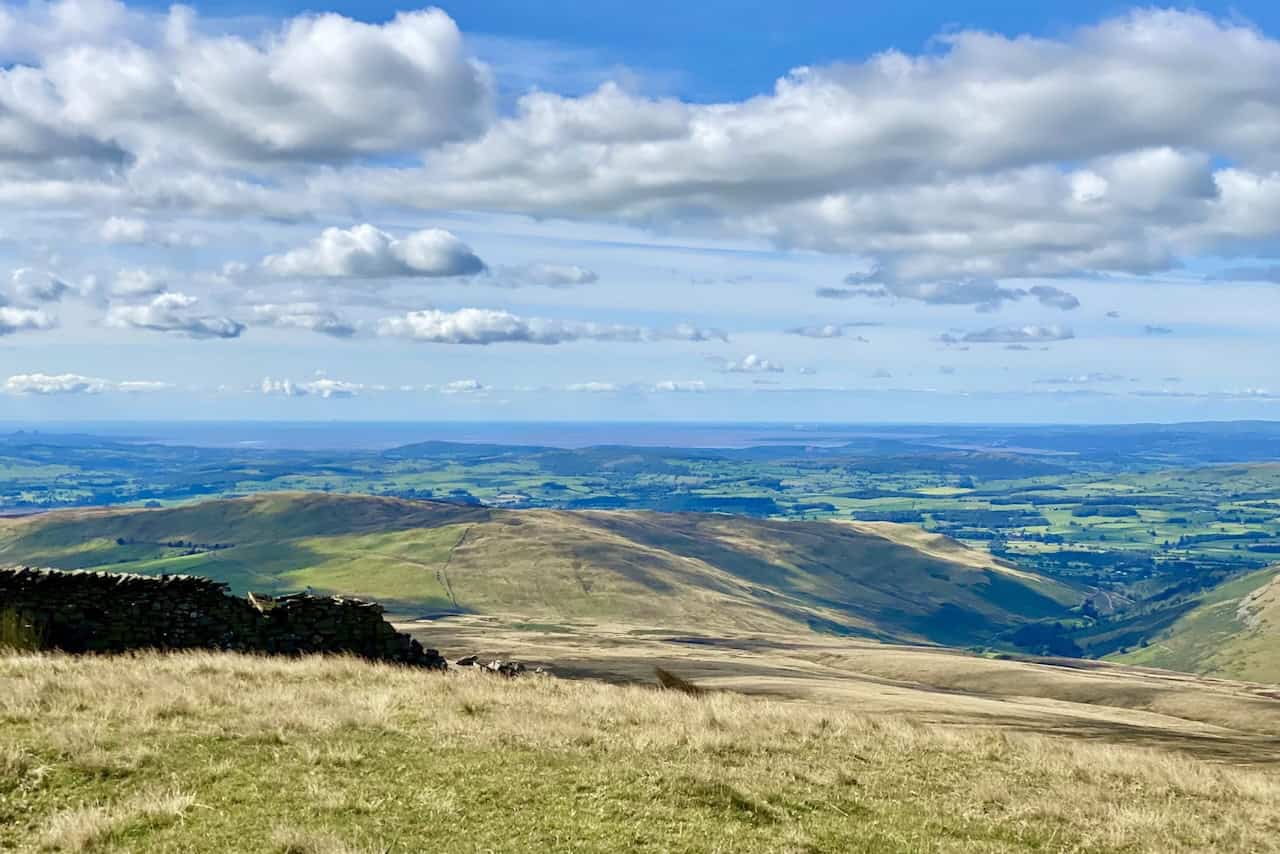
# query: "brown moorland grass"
[[206, 752]]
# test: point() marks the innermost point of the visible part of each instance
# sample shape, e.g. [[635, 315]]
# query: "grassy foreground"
[[204, 752]]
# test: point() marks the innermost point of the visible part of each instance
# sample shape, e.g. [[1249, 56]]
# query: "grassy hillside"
[[218, 753], [686, 571], [1232, 630]]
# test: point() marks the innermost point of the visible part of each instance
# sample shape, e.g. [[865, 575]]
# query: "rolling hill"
[[646, 570], [1232, 630]]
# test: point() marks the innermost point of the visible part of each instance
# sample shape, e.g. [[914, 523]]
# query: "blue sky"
[[502, 210], [725, 50]]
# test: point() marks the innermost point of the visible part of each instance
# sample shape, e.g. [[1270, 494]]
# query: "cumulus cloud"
[[282, 387], [37, 286], [592, 387], [752, 364], [993, 157], [303, 315], [1010, 335], [463, 387], [174, 313], [680, 386], [366, 252], [137, 284], [321, 386], [54, 384], [828, 330], [123, 230], [24, 320], [1054, 297], [984, 158], [131, 231], [321, 88], [482, 326]]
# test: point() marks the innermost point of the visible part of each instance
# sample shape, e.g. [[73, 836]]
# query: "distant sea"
[[311, 435]]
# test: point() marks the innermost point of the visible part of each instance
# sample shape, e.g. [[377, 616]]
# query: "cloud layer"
[[56, 384], [482, 326], [1120, 146]]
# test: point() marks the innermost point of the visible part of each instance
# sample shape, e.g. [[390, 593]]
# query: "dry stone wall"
[[113, 612]]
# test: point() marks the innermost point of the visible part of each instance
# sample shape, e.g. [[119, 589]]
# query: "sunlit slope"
[[686, 571], [1233, 631]]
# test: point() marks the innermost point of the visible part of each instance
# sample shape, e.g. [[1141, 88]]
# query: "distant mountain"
[[684, 570], [1231, 630]]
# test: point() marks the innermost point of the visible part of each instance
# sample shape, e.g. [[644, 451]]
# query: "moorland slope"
[[674, 571], [1231, 630]]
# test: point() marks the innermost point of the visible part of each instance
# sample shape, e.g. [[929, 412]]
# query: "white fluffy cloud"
[[993, 157], [174, 313], [24, 320], [1010, 335], [303, 315], [828, 330], [752, 364], [123, 230], [680, 386], [482, 326], [136, 284], [321, 386], [462, 387], [990, 157], [131, 231], [51, 384], [103, 83], [592, 387], [366, 252], [37, 286]]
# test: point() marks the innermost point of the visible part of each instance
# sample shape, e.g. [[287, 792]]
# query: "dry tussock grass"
[[791, 770], [89, 828], [294, 840]]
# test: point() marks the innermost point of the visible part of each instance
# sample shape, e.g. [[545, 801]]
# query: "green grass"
[[19, 632], [1220, 635], [667, 570], [210, 753]]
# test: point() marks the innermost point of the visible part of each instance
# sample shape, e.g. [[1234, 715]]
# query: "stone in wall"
[[115, 612]]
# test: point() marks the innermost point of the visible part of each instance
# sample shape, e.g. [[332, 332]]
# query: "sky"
[[964, 212]]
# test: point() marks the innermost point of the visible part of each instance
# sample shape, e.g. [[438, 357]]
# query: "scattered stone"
[[509, 669]]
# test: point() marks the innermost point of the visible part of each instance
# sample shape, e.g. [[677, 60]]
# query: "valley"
[[972, 651]]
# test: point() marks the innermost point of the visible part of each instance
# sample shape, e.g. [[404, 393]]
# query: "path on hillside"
[[442, 573]]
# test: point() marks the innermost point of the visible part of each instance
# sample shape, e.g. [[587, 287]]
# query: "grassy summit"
[[220, 753], [677, 571]]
